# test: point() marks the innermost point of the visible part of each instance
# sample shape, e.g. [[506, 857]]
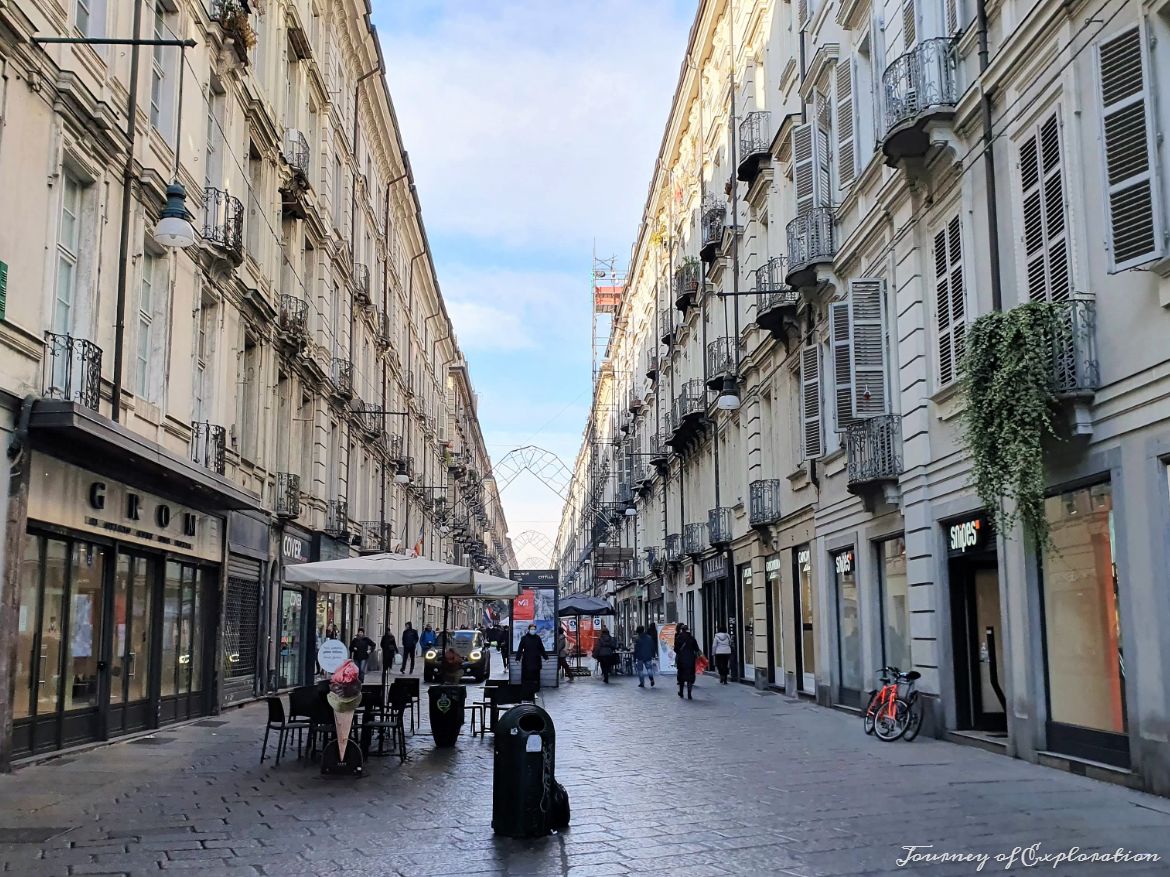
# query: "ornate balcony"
[[361, 285], [223, 224], [659, 452], [368, 418], [687, 279], [811, 242], [1074, 361], [776, 302], [634, 400], [655, 560], [286, 501], [336, 519], [342, 377], [293, 321], [712, 223], [382, 329], [720, 361], [873, 451], [296, 152], [72, 370], [207, 446], [694, 540], [719, 527], [232, 16], [918, 89], [764, 502], [375, 535], [674, 552], [666, 327], [650, 365], [755, 139]]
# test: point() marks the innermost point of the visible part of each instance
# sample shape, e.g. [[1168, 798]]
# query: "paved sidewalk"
[[735, 782]]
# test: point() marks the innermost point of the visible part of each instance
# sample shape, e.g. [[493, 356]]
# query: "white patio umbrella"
[[400, 575]]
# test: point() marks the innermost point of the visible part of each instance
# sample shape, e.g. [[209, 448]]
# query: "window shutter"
[[803, 172], [867, 308], [839, 343], [846, 157], [1135, 232], [909, 25], [951, 11], [823, 152], [802, 12], [1045, 229], [950, 300], [810, 402]]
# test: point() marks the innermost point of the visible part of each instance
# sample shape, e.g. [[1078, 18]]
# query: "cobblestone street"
[[735, 782]]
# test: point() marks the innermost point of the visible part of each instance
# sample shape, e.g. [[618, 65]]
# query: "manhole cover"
[[209, 723], [31, 835], [152, 741]]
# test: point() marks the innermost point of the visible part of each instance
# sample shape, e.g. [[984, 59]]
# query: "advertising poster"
[[581, 642], [666, 649], [535, 606]]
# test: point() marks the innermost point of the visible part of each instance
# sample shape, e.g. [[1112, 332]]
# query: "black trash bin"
[[446, 702], [523, 784]]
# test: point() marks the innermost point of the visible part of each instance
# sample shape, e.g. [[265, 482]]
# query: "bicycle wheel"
[[913, 720], [889, 726], [870, 711]]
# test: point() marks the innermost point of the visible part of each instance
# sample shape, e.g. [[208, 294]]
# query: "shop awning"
[[400, 575]]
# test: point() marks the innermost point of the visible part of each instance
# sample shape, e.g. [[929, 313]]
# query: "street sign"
[[332, 655]]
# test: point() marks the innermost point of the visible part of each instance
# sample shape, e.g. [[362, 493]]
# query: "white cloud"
[[484, 327], [537, 122]]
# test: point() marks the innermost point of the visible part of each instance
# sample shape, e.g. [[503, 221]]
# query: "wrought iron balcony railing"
[[764, 502], [369, 418], [207, 445], [659, 451], [1075, 371], [361, 284], [719, 526], [383, 332], [774, 297], [342, 377], [920, 82], [650, 364], [873, 452], [694, 539], [720, 360], [375, 536], [712, 224], [687, 279], [296, 152], [666, 327], [810, 241], [690, 402], [755, 138], [72, 370], [294, 316], [674, 551], [336, 518], [286, 501], [634, 400], [223, 222], [393, 444], [655, 559]]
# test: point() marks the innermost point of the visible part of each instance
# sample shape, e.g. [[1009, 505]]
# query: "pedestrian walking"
[[686, 657], [605, 651], [722, 649], [531, 655], [389, 649], [505, 644], [359, 649], [645, 651], [428, 638], [409, 644], [563, 656]]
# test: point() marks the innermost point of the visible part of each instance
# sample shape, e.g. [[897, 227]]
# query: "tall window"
[[1045, 223], [159, 84], [204, 335], [248, 420], [213, 163], [68, 248], [950, 300], [153, 278], [895, 603]]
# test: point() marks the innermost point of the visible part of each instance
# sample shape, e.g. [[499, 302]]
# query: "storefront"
[[245, 607], [894, 589], [1083, 651], [655, 607], [976, 641], [746, 598], [805, 620], [119, 596], [719, 607], [293, 661], [773, 594], [849, 671]]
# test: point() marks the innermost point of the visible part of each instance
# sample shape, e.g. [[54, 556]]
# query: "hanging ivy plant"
[[1009, 382]]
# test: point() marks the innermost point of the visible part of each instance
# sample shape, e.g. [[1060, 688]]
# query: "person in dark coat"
[[605, 651], [645, 651], [409, 644], [531, 654], [686, 656], [389, 649]]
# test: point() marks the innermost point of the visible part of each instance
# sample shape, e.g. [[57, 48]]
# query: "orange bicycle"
[[894, 709], [881, 698]]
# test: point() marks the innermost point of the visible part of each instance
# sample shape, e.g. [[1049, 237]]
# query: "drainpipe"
[[734, 171], [989, 164], [124, 221]]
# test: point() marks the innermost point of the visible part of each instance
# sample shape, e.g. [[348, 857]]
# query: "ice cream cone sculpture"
[[345, 694]]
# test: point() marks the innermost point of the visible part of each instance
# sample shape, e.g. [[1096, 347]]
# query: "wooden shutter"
[[867, 322], [952, 15], [810, 402], [840, 346], [846, 153], [803, 169], [1134, 220], [1045, 227], [950, 300], [802, 13], [909, 25], [823, 152]]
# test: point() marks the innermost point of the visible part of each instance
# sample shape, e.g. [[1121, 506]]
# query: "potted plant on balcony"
[[233, 17], [1009, 382]]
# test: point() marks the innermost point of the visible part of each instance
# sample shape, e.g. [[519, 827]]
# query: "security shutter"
[[803, 168], [839, 343], [868, 347], [950, 300], [846, 154], [909, 25], [241, 627], [1045, 226], [1135, 222], [810, 402]]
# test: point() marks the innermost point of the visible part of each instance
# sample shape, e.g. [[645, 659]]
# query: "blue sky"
[[532, 127]]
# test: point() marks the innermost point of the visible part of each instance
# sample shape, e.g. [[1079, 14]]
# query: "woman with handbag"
[[605, 651], [686, 657], [722, 649]]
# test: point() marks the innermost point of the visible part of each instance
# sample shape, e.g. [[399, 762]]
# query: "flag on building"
[[418, 545]]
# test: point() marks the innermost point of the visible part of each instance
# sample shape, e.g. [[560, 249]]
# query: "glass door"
[[84, 667], [132, 628], [747, 598], [806, 643]]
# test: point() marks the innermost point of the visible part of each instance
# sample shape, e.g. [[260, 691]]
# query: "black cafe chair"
[[277, 721]]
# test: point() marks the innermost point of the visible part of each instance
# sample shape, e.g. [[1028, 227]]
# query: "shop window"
[[848, 626], [802, 569], [772, 571], [1083, 646], [27, 658], [895, 603], [291, 657]]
